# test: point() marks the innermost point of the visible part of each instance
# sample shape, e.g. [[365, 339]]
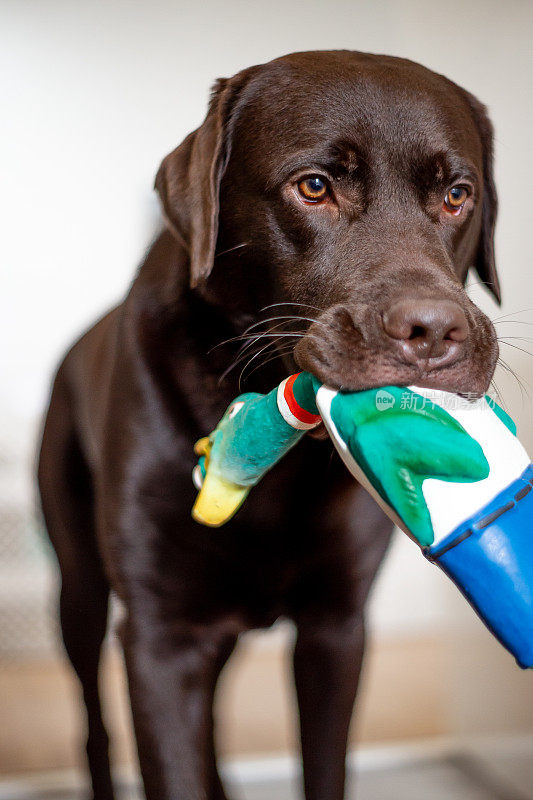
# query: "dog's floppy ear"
[[485, 263], [188, 180]]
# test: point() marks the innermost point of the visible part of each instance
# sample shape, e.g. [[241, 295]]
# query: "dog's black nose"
[[426, 328]]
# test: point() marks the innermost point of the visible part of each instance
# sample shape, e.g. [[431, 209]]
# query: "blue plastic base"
[[490, 559]]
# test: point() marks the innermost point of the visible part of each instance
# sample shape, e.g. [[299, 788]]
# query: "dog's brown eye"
[[456, 198], [313, 189]]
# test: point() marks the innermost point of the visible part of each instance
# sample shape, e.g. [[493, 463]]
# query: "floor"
[[40, 713], [432, 780], [40, 732], [509, 777]]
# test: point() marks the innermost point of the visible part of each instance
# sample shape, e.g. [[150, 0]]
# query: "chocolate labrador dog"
[[326, 211]]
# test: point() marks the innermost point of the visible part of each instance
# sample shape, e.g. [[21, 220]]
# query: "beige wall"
[[94, 93]]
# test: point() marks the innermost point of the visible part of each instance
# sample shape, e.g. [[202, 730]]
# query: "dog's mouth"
[[352, 353]]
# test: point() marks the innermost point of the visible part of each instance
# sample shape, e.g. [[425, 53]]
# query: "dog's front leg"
[[330, 643], [172, 672], [327, 664]]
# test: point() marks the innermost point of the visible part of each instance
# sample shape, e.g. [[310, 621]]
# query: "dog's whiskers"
[[248, 330], [253, 337], [244, 351], [241, 356], [515, 346], [243, 370], [293, 318], [511, 313], [497, 392], [231, 249], [503, 339], [512, 322], [519, 380], [279, 354], [247, 334], [291, 303], [250, 340]]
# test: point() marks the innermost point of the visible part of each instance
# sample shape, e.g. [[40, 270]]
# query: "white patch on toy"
[[197, 477], [449, 504], [234, 410]]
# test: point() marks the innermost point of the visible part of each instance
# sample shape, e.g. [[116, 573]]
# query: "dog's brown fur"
[[133, 394]]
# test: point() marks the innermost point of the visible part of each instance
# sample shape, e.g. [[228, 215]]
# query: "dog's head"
[[358, 188]]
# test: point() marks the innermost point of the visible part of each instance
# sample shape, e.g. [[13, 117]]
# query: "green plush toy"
[[254, 433]]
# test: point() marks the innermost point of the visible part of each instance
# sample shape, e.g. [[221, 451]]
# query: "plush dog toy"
[[448, 471]]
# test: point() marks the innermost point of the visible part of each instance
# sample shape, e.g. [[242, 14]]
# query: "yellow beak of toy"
[[218, 501]]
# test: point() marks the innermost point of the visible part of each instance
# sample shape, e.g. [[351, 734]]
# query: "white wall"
[[94, 94]]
